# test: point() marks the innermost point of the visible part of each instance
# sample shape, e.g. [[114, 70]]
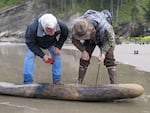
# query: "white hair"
[[48, 20]]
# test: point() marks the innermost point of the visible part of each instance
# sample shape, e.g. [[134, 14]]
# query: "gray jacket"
[[105, 36]]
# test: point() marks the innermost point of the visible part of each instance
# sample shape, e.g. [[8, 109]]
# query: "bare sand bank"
[[124, 53]]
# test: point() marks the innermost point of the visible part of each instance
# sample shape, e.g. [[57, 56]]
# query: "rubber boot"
[[112, 75], [82, 72]]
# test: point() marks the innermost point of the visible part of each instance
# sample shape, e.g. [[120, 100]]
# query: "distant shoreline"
[[124, 54]]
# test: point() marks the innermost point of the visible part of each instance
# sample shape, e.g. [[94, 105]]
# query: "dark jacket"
[[37, 39]]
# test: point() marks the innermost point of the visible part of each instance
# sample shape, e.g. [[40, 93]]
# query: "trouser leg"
[[28, 67], [89, 47], [109, 62], [56, 67], [82, 72], [112, 75]]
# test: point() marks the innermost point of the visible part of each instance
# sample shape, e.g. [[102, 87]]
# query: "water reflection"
[[11, 68]]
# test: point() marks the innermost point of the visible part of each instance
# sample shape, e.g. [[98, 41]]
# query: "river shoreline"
[[124, 54], [11, 70]]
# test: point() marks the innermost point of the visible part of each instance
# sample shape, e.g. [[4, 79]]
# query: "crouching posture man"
[[45, 32], [94, 28]]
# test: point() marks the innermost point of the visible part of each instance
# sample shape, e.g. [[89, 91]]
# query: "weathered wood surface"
[[73, 92]]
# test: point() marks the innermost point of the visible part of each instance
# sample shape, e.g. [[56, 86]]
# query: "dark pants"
[[109, 58]]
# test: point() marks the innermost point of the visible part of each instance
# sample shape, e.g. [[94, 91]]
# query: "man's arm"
[[31, 41], [109, 41], [78, 44], [63, 35]]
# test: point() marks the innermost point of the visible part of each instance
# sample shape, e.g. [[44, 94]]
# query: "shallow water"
[[11, 68]]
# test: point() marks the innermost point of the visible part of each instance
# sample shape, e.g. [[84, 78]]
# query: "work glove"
[[51, 60], [48, 59]]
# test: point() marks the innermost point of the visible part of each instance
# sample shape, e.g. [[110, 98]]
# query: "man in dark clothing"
[[45, 32], [95, 28]]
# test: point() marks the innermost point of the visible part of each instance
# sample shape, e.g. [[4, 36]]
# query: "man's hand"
[[101, 58], [48, 59], [51, 60], [85, 55], [57, 50]]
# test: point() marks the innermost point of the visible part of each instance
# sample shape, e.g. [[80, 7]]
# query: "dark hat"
[[82, 29]]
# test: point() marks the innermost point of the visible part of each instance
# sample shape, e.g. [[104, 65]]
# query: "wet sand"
[[124, 53], [11, 68]]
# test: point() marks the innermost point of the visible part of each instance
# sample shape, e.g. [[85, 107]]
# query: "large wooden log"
[[73, 92]]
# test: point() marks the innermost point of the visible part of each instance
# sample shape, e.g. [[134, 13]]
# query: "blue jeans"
[[29, 66]]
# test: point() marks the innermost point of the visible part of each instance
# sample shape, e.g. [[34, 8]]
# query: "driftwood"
[[73, 92]]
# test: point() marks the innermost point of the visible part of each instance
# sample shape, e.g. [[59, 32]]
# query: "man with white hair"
[[45, 32]]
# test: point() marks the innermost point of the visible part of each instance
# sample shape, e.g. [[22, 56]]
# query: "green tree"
[[148, 12], [134, 14]]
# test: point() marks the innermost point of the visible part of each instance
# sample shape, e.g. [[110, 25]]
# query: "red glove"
[[51, 60]]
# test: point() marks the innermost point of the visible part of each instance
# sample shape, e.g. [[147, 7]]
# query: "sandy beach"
[[11, 69], [124, 53]]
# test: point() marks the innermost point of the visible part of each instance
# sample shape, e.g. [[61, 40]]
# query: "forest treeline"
[[122, 10], [129, 16]]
